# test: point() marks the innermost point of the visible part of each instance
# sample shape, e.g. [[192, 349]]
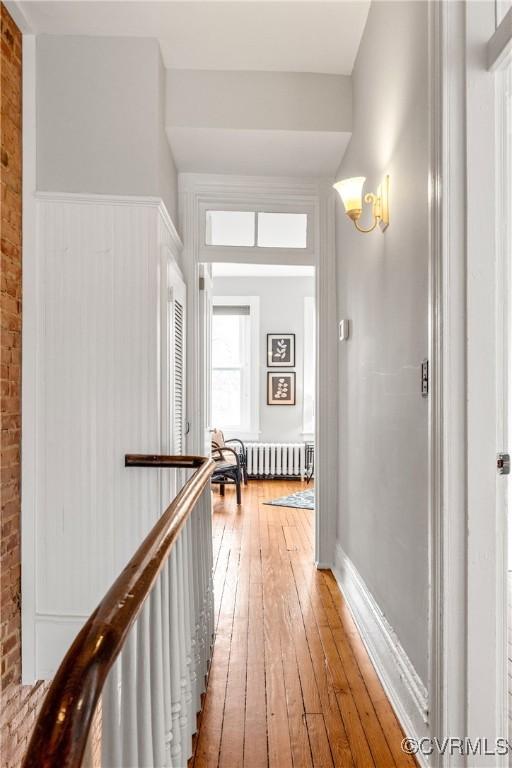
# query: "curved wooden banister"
[[62, 728]]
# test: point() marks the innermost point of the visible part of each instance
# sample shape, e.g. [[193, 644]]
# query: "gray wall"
[[281, 311], [383, 289], [295, 101], [100, 118]]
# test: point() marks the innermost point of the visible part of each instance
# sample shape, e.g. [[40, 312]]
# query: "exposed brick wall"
[[18, 703]]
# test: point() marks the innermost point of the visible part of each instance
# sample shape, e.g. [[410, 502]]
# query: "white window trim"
[[253, 302]]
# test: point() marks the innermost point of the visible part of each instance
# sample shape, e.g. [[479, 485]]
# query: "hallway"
[[291, 682]]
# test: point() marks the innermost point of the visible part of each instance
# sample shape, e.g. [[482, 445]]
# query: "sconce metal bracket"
[[383, 195]]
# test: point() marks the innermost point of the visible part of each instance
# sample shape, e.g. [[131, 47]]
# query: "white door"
[[504, 368], [489, 354]]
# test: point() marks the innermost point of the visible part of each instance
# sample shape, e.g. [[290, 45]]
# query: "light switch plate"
[[344, 329]]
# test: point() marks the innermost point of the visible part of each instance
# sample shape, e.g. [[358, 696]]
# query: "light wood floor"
[[291, 683]]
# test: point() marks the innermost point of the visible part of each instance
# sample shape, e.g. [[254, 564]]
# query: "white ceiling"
[[261, 270], [288, 36]]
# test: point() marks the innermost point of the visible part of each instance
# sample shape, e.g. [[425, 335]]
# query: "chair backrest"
[[217, 439]]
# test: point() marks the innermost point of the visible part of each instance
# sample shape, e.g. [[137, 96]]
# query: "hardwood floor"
[[291, 683]]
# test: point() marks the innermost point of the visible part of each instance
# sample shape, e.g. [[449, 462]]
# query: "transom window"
[[256, 229]]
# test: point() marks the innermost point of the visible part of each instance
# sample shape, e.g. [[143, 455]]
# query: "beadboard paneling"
[[98, 352]]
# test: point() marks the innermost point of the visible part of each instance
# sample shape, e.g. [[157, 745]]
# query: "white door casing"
[[467, 679], [486, 356], [199, 193]]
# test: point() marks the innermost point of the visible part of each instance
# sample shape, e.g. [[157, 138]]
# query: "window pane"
[[282, 230], [230, 228], [226, 340], [226, 398]]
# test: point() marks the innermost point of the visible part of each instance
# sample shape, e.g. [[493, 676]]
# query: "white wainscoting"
[[402, 684], [95, 350]]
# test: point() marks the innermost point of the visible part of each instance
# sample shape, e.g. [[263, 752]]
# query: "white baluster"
[[201, 593], [166, 662], [194, 547], [211, 596], [184, 623], [187, 593], [144, 730], [201, 605], [195, 648], [207, 576], [157, 675], [175, 660], [129, 702], [111, 754]]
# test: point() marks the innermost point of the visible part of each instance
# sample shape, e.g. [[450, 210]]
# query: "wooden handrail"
[[153, 460], [62, 728]]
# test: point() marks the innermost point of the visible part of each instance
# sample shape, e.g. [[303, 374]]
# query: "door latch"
[[424, 378], [503, 463]]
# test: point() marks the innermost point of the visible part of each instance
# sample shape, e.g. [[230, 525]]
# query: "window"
[[230, 228], [282, 230], [256, 229], [234, 395]]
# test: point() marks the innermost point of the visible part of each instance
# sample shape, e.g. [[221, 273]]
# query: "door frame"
[[487, 707], [198, 192], [468, 627], [447, 356]]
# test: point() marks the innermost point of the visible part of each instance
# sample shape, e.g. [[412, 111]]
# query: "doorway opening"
[[280, 223], [260, 353]]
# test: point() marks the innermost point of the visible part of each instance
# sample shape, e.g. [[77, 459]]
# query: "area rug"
[[299, 500]]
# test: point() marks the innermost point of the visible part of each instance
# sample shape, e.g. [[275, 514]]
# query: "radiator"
[[276, 459]]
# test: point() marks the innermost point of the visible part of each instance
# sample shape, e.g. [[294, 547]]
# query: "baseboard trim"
[[401, 682]]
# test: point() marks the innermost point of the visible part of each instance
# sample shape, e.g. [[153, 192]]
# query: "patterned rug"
[[299, 500]]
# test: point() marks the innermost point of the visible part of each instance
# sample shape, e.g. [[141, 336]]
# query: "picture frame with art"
[[280, 387], [280, 350]]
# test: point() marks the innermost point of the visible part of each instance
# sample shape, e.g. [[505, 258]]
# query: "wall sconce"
[[351, 193]]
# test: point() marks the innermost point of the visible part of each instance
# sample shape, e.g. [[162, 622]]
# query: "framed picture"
[[280, 388], [280, 350]]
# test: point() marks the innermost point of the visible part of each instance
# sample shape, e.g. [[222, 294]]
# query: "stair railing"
[[128, 691]]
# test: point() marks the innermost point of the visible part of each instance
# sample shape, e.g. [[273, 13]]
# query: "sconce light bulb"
[[351, 193]]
